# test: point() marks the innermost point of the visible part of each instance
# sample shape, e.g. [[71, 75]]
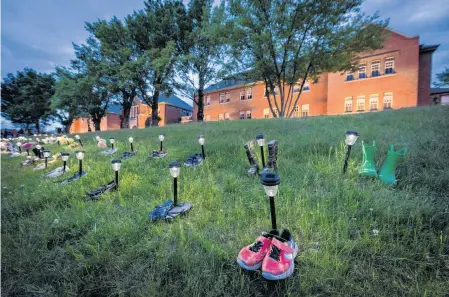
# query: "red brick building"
[[109, 122], [396, 76]]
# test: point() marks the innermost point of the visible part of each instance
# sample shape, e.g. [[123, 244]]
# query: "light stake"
[[112, 141], [270, 182], [116, 166], [202, 140], [175, 169], [350, 139], [261, 141], [161, 138], [19, 145], [65, 158], [39, 147], [79, 139], [131, 140], [46, 155], [80, 157]]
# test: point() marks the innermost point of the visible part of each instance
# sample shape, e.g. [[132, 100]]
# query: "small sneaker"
[[251, 256], [279, 262]]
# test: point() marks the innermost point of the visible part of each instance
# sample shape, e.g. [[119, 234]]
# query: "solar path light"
[[131, 140], [261, 141], [80, 157], [79, 139], [270, 182], [202, 140], [112, 141], [65, 158], [46, 156], [161, 139], [350, 139], [116, 166], [175, 169]]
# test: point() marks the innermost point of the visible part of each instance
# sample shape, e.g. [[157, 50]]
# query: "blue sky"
[[39, 33]]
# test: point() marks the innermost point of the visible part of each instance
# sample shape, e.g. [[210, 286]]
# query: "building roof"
[[175, 101], [428, 48], [227, 83], [434, 91]]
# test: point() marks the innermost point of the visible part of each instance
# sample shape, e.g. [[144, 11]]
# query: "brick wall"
[[425, 64]]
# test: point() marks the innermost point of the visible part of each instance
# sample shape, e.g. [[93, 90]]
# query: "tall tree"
[[286, 43], [26, 97], [158, 33], [118, 61], [203, 54], [443, 78]]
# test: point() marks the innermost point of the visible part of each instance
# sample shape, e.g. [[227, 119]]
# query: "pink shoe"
[[279, 262], [251, 256]]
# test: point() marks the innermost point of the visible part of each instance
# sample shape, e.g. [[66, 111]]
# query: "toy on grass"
[[159, 153], [171, 209], [197, 159], [388, 168], [112, 185], [368, 167]]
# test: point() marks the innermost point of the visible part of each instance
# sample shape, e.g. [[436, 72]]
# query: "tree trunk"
[[37, 127], [88, 125], [124, 118], [200, 113], [155, 108], [97, 123]]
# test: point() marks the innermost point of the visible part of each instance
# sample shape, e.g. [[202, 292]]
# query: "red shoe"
[[251, 256], [279, 262]]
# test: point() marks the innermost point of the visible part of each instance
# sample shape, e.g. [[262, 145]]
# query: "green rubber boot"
[[388, 168], [368, 167]]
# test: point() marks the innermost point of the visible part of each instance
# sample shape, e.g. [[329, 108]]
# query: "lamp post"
[[79, 139], [175, 169], [270, 182], [19, 145], [116, 166], [39, 147], [131, 140], [65, 158], [261, 141], [202, 140], [161, 138], [112, 141], [80, 157], [46, 155], [350, 139]]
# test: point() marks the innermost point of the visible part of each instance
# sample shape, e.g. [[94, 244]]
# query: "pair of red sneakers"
[[273, 252]]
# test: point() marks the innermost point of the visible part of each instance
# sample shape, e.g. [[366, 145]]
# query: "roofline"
[[232, 87], [402, 34], [428, 48]]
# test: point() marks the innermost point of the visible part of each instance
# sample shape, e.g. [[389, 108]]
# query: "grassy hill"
[[57, 243]]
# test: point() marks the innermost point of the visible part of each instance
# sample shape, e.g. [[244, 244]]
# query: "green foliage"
[[57, 243], [26, 96], [285, 43], [443, 78]]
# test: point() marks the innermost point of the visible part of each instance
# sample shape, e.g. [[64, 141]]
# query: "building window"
[[349, 75], [348, 104], [266, 113], [388, 100], [220, 117], [222, 98], [249, 93], [362, 71], [275, 110], [361, 103], [375, 68], [226, 115], [296, 113], [242, 115], [373, 102], [207, 118], [242, 95], [228, 97], [306, 87], [248, 114], [389, 66], [305, 110], [296, 88], [208, 100]]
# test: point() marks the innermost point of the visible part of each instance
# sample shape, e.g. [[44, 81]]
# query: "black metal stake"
[[202, 149], [46, 162], [116, 179], [263, 157], [161, 146], [80, 168], [28, 152], [348, 153], [64, 166], [273, 213], [40, 154], [175, 191], [20, 149], [112, 145], [79, 140], [132, 148]]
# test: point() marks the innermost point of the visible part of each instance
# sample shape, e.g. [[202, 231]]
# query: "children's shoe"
[[279, 262], [251, 256]]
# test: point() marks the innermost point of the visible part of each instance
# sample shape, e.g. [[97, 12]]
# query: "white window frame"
[[375, 64], [305, 109], [348, 74], [207, 100], [266, 113], [389, 101], [249, 115], [249, 93], [389, 62], [296, 112], [242, 95], [220, 116], [373, 98], [306, 87], [360, 101], [226, 116], [222, 98], [348, 103], [362, 70], [242, 115], [228, 97], [207, 118]]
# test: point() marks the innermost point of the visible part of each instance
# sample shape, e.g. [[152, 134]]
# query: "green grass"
[[110, 248]]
